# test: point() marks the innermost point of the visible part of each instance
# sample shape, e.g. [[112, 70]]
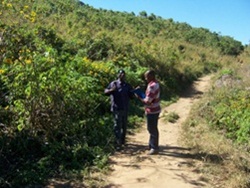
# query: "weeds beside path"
[[133, 168]]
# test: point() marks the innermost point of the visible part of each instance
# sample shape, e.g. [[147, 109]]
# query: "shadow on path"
[[138, 152], [172, 151], [191, 91]]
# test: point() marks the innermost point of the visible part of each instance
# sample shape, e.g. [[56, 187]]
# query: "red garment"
[[152, 99]]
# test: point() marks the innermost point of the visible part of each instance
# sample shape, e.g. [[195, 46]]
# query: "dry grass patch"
[[221, 162]]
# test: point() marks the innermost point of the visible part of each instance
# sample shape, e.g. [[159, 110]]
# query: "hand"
[[136, 96], [112, 89]]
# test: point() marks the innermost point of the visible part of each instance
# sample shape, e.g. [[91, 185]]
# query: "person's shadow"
[[139, 152], [134, 149]]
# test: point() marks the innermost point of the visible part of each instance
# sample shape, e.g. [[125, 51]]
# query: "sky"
[[225, 17]]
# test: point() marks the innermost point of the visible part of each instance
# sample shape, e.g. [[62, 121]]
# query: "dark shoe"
[[153, 152], [123, 142]]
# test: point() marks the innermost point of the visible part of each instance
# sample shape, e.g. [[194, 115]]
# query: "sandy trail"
[[133, 168]]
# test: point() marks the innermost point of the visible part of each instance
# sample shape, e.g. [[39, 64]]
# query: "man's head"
[[149, 75], [121, 74]]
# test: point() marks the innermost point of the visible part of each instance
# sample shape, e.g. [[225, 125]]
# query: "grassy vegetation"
[[56, 58], [171, 117], [218, 128]]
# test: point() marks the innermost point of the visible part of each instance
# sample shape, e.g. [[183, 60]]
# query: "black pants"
[[152, 126], [120, 126]]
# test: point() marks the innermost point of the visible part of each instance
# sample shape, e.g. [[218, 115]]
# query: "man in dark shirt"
[[120, 93]]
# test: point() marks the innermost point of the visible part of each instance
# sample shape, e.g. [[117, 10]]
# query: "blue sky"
[[226, 17]]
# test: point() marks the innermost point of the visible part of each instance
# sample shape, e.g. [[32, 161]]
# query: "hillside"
[[56, 58]]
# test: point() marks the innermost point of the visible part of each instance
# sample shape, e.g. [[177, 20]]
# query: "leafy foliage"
[[229, 111]]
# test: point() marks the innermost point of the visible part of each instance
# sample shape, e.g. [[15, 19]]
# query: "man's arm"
[[111, 88]]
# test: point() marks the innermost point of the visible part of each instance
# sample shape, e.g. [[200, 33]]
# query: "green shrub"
[[229, 111]]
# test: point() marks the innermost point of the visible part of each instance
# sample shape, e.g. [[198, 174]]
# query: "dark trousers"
[[120, 126], [152, 126]]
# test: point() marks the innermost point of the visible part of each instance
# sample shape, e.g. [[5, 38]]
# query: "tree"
[[143, 14]]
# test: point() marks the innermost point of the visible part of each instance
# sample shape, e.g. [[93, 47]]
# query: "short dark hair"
[[151, 73]]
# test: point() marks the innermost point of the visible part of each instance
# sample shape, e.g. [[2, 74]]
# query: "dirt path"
[[133, 168]]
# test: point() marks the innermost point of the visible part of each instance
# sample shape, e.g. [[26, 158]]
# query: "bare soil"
[[172, 167]]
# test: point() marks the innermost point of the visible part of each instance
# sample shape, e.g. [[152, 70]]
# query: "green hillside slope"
[[56, 57]]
